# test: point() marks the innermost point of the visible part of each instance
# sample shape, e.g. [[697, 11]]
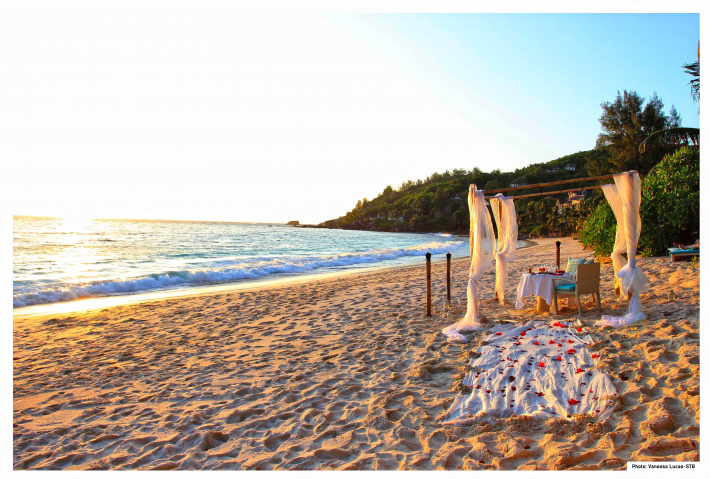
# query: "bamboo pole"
[[553, 183], [428, 283], [557, 256], [545, 193]]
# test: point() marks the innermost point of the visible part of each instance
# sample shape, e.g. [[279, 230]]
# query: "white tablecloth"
[[540, 285]]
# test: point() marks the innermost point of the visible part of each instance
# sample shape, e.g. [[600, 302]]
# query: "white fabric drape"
[[504, 213], [631, 278], [482, 249], [534, 382], [612, 196]]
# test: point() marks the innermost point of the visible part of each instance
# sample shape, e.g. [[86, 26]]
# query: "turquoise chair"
[[586, 282]]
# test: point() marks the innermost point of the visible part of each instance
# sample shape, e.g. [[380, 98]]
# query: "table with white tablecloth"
[[542, 286]]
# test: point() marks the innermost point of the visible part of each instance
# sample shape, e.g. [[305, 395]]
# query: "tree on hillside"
[[625, 123]]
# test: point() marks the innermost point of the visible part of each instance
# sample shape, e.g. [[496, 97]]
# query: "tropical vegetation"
[[439, 203], [670, 208]]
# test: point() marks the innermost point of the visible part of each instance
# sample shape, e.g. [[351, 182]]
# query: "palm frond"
[[671, 137], [693, 69]]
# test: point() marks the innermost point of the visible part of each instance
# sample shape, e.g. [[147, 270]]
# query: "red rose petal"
[[552, 341], [573, 401], [595, 356], [540, 394], [538, 344], [523, 333], [580, 370], [499, 333], [541, 365], [570, 341], [571, 351], [579, 330]]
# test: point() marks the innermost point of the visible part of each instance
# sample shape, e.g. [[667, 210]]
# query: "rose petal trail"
[[553, 389]]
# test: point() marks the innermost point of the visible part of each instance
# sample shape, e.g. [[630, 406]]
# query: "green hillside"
[[439, 203]]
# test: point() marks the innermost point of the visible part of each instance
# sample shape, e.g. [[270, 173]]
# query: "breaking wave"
[[225, 271]]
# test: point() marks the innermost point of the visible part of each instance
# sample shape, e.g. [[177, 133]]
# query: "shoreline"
[[102, 302], [341, 374]]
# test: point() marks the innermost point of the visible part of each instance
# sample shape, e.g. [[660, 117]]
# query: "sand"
[[343, 373]]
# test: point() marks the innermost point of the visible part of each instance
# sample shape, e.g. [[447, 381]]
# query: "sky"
[[220, 111]]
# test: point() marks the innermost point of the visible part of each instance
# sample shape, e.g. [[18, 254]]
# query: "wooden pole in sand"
[[558, 243], [428, 283], [448, 278], [500, 216]]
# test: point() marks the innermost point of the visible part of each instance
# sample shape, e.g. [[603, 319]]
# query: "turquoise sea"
[[57, 259]]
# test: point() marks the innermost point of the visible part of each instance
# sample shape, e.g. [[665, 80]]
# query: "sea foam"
[[226, 271]]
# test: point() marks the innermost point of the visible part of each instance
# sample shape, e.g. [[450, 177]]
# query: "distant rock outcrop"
[[293, 223]]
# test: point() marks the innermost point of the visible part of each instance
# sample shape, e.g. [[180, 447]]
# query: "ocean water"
[[58, 259]]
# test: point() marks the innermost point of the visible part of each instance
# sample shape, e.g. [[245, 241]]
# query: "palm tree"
[[693, 69], [671, 137]]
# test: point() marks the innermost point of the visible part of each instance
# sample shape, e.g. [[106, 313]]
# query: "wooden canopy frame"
[[554, 183], [546, 193]]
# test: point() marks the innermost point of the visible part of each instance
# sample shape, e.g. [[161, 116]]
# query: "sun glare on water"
[[75, 224], [75, 259]]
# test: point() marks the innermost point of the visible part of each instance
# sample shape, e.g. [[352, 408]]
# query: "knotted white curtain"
[[612, 196], [507, 223], [631, 278], [482, 249]]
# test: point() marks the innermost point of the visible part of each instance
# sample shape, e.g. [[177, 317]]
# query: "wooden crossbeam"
[[545, 193], [554, 183]]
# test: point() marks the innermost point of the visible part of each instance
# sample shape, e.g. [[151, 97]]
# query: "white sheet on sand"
[[539, 369]]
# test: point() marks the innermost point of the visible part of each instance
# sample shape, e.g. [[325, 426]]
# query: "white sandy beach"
[[341, 373]]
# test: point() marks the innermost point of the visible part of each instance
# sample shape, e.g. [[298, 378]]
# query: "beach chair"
[[677, 254], [587, 282]]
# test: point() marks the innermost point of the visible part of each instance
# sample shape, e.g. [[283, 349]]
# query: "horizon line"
[[154, 219]]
